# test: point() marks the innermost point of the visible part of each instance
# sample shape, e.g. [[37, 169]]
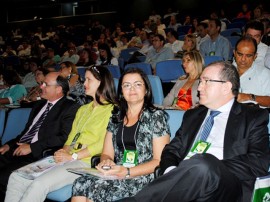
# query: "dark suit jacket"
[[55, 128], [246, 142]]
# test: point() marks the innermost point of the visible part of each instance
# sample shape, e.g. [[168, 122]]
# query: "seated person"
[[137, 129], [105, 56], [184, 94], [158, 52], [76, 89], [84, 141], [190, 44], [48, 127], [254, 79], [35, 92], [229, 141], [14, 90]]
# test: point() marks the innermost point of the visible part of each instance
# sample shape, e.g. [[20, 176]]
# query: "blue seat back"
[[127, 53], [175, 120], [16, 121], [2, 121], [236, 25], [81, 72], [61, 195], [229, 32], [183, 29], [210, 59], [169, 70], [145, 67], [116, 83], [157, 90], [115, 71]]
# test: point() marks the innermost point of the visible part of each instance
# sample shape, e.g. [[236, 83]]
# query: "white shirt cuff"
[[169, 169]]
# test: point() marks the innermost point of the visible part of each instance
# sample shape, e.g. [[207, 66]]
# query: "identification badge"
[[212, 53], [199, 148], [130, 158], [75, 139]]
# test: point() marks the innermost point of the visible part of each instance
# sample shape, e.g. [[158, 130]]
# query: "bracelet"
[[253, 97]]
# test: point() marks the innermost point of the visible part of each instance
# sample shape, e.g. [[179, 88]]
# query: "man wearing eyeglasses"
[[219, 150], [254, 79], [48, 126]]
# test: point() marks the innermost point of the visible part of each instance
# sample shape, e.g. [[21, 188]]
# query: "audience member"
[[216, 44], [71, 55], [184, 94], [173, 42], [158, 52], [41, 132], [254, 79], [255, 29], [189, 45], [86, 58], [29, 80], [153, 17], [202, 33], [105, 56], [245, 13], [173, 23], [84, 141], [220, 163], [76, 89], [14, 90], [24, 49], [137, 128], [51, 60]]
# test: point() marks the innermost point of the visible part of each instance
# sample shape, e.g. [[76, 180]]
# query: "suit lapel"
[[232, 129]]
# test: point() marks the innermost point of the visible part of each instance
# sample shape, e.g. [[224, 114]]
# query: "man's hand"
[[4, 149], [22, 150]]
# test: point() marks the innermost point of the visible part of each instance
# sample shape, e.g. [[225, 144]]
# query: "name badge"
[[199, 148], [212, 53], [73, 143], [130, 158]]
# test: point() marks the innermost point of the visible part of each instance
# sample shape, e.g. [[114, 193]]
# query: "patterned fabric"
[[152, 125], [208, 125], [77, 93]]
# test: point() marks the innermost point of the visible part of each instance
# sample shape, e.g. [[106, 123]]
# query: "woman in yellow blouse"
[[84, 141]]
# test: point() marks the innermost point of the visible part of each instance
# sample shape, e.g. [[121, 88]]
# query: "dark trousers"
[[203, 178]]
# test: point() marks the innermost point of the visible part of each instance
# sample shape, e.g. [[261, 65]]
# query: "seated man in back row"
[[48, 126], [254, 79], [219, 150]]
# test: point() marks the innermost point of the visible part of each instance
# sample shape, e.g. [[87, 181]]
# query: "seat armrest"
[[95, 160], [157, 172]]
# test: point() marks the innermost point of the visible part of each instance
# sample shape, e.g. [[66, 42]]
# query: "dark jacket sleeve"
[[56, 128]]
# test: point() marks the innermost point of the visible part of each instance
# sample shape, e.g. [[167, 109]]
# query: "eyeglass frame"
[[44, 84], [211, 80], [136, 85]]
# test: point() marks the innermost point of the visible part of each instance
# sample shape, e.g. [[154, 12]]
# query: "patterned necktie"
[[208, 125], [27, 137]]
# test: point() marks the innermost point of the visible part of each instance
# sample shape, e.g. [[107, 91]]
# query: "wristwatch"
[[253, 97], [74, 156], [128, 173]]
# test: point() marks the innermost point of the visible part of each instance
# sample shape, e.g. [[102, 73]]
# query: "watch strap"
[[128, 173]]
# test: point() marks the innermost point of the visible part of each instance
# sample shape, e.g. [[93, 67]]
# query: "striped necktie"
[[208, 125], [27, 137]]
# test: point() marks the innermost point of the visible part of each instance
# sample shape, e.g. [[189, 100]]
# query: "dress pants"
[[9, 163], [202, 178]]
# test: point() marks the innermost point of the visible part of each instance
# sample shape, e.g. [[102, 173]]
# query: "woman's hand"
[[107, 162], [115, 170], [62, 156]]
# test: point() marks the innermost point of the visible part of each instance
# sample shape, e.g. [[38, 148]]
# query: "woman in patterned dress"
[[136, 127]]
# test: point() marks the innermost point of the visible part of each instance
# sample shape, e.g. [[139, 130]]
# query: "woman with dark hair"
[[84, 141], [76, 89], [136, 134], [14, 90], [105, 55], [87, 58]]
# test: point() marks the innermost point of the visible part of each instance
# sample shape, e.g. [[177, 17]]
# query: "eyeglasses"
[[136, 85], [205, 81], [44, 84]]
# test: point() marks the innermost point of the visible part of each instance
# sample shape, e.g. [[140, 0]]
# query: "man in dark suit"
[[52, 132], [238, 147]]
